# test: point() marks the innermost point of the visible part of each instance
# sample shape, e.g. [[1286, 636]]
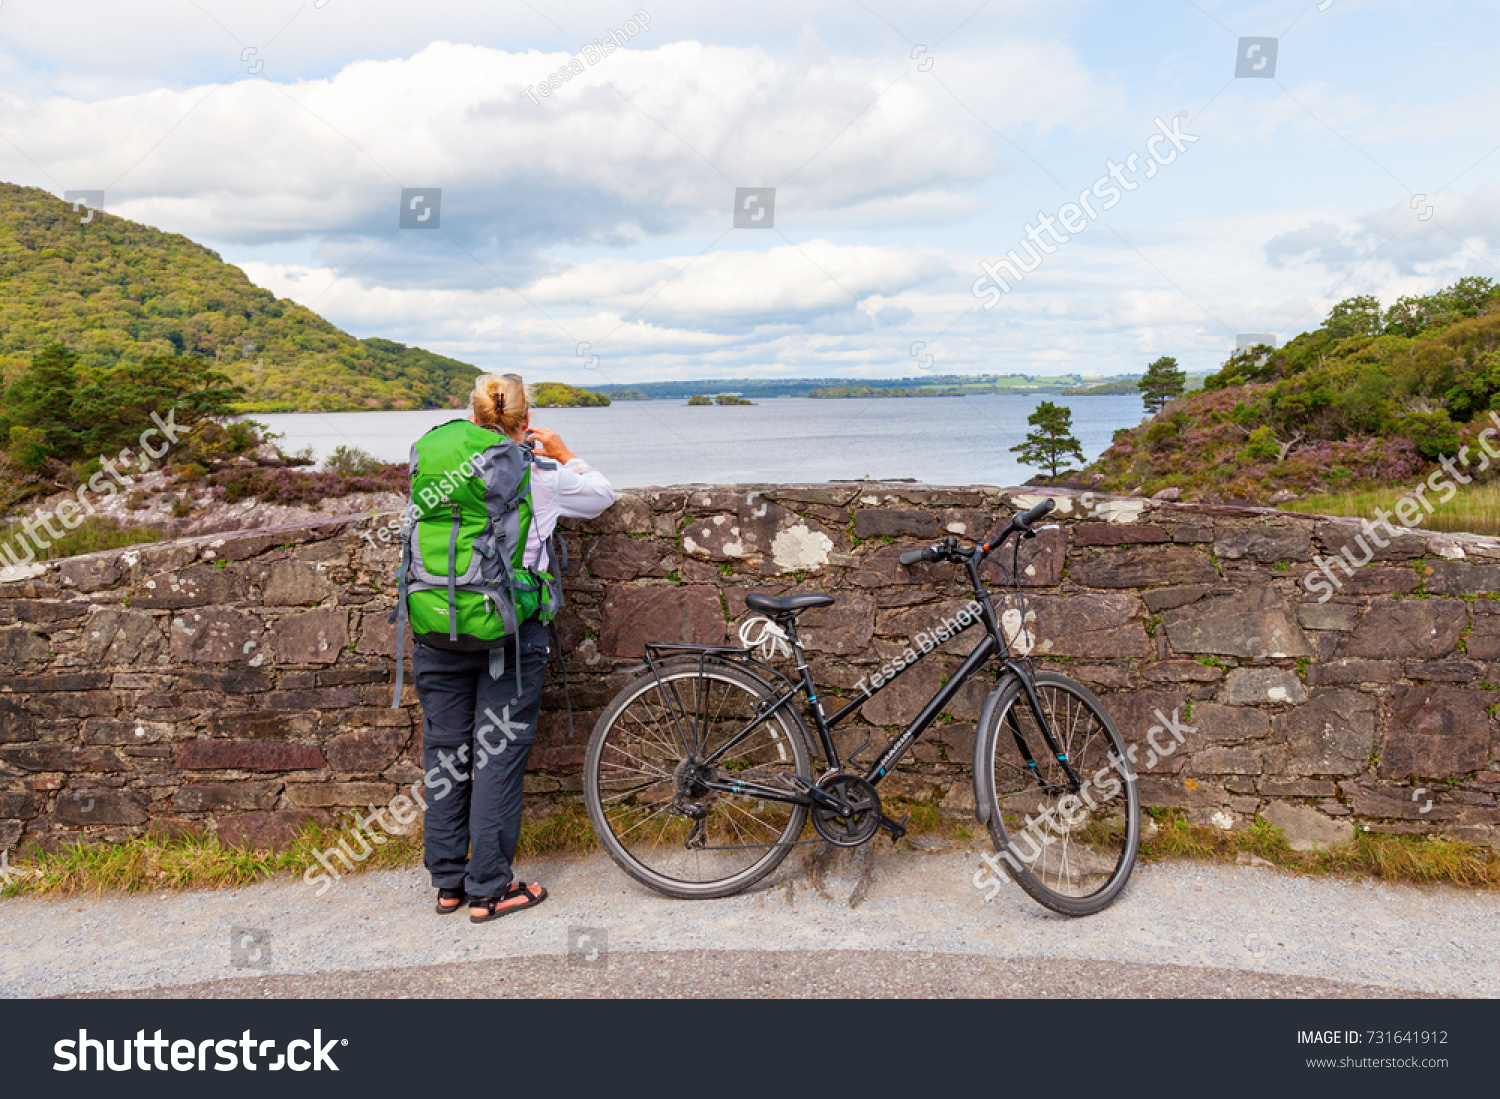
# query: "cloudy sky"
[[589, 234]]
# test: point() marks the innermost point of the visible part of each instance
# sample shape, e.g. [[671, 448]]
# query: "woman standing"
[[479, 716]]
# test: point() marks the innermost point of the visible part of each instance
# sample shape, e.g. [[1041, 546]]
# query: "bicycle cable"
[[1022, 609]]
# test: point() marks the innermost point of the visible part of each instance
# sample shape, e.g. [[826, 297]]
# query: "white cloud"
[[607, 205], [1446, 233], [642, 144]]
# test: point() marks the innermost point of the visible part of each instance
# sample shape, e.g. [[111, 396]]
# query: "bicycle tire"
[[1088, 751], [782, 731]]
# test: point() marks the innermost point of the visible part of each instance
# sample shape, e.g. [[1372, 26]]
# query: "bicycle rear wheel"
[[642, 780], [1071, 851]]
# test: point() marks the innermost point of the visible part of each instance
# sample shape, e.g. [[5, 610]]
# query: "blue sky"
[[908, 142]]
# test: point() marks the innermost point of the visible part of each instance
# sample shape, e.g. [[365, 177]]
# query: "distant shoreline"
[[683, 402]]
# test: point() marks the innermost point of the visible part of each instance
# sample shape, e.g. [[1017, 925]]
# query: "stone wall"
[[239, 683]]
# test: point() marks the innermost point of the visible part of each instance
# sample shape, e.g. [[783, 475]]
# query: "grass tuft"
[[200, 862], [93, 534], [1424, 859], [1474, 510], [566, 831]]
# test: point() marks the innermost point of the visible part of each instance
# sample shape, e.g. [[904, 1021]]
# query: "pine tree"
[[114, 407], [1052, 441], [41, 400], [1162, 382]]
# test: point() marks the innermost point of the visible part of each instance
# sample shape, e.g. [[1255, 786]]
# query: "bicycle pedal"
[[897, 828]]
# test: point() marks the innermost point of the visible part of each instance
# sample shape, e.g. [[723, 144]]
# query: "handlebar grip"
[[1031, 515], [912, 557]]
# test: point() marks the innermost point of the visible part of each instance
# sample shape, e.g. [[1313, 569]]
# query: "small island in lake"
[[562, 395]]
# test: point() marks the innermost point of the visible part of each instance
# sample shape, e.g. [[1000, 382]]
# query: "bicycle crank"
[[855, 827]]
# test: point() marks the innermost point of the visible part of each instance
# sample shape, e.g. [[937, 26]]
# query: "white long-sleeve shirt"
[[576, 490]]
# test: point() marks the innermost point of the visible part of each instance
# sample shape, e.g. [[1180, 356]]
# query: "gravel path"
[[1181, 926]]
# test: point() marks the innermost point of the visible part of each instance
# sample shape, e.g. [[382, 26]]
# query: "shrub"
[[1158, 435], [292, 486], [1432, 433], [1262, 445], [351, 461], [211, 442], [28, 448]]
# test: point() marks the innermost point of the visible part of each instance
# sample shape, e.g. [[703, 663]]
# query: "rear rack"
[[653, 647]]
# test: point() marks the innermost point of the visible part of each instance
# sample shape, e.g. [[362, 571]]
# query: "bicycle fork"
[[1075, 783]]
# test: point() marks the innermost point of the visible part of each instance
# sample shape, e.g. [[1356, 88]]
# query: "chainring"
[[853, 830]]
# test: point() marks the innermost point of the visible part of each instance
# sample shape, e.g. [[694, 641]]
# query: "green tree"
[[1357, 316], [116, 406], [42, 399], [1163, 381], [1467, 296], [1052, 440], [1248, 364]]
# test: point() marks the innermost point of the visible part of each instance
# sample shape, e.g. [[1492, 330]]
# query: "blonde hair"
[[500, 399]]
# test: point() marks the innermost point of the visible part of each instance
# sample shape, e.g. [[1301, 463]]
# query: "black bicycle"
[[699, 782]]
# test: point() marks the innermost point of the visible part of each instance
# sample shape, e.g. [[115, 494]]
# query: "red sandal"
[[493, 905]]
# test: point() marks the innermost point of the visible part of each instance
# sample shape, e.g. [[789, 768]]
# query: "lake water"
[[937, 440]]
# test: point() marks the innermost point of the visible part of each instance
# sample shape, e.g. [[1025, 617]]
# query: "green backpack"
[[461, 581]]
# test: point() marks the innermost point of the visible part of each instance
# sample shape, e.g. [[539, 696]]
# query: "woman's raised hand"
[[549, 444]]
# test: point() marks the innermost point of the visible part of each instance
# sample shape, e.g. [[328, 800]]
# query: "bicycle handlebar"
[[1021, 521], [1031, 515]]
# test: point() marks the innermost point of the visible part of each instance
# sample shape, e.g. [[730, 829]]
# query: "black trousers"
[[477, 733]]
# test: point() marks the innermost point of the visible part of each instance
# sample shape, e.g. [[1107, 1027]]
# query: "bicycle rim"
[[1072, 852], [660, 828]]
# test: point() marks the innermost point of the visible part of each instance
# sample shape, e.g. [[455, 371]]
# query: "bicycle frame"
[[992, 644]]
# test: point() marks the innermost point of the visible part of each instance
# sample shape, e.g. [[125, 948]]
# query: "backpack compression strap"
[[458, 516], [398, 616]]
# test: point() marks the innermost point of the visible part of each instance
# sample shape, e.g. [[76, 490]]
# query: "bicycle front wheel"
[[1069, 844], [644, 773]]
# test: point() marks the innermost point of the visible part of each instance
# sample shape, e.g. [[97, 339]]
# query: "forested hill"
[[1374, 397], [115, 291]]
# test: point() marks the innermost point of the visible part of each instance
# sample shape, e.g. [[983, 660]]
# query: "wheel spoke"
[[1070, 860], [648, 790]]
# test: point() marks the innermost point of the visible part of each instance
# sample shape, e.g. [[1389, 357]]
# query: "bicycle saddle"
[[786, 604]]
